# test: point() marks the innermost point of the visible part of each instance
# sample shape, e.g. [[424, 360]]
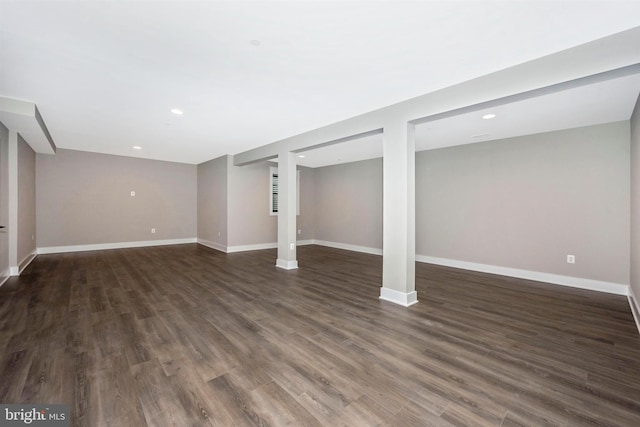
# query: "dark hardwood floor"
[[187, 336]]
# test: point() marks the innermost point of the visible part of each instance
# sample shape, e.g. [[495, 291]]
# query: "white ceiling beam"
[[596, 57], [24, 118]]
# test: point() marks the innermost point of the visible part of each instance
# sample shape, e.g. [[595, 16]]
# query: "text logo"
[[34, 415]]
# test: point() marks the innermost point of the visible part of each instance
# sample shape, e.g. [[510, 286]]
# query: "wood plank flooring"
[[188, 336]]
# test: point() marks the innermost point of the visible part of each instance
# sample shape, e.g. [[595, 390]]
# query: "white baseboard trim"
[[348, 247], [556, 279], [397, 297], [286, 265], [119, 245], [213, 245], [635, 308], [4, 276], [16, 270], [574, 282], [261, 246], [254, 247], [27, 260]]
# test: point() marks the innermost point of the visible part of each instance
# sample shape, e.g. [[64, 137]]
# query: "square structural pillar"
[[399, 214], [287, 194]]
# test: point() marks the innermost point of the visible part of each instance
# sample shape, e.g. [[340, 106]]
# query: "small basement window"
[[273, 189]]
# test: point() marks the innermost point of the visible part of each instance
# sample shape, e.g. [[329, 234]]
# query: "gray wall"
[[306, 219], [635, 200], [26, 201], [523, 203], [84, 198], [212, 200], [249, 219], [348, 203], [528, 202], [4, 201]]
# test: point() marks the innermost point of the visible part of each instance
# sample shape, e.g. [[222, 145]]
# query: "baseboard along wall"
[[119, 245], [574, 282]]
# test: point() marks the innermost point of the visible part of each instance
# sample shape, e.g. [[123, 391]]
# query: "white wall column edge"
[[12, 226], [635, 308], [396, 297], [287, 204]]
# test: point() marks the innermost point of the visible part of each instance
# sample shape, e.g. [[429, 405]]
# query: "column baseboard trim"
[[397, 297], [287, 265]]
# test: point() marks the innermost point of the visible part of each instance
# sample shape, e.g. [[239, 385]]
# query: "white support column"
[[399, 223], [287, 194], [12, 225]]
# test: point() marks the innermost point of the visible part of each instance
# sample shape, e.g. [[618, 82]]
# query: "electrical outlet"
[[133, 194], [292, 246], [299, 231], [571, 259], [153, 230], [218, 234]]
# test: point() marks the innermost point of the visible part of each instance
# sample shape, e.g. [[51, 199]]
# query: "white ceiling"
[[106, 74]]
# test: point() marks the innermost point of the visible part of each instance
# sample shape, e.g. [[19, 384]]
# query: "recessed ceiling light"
[[255, 42], [177, 111], [301, 156], [137, 147], [488, 116]]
